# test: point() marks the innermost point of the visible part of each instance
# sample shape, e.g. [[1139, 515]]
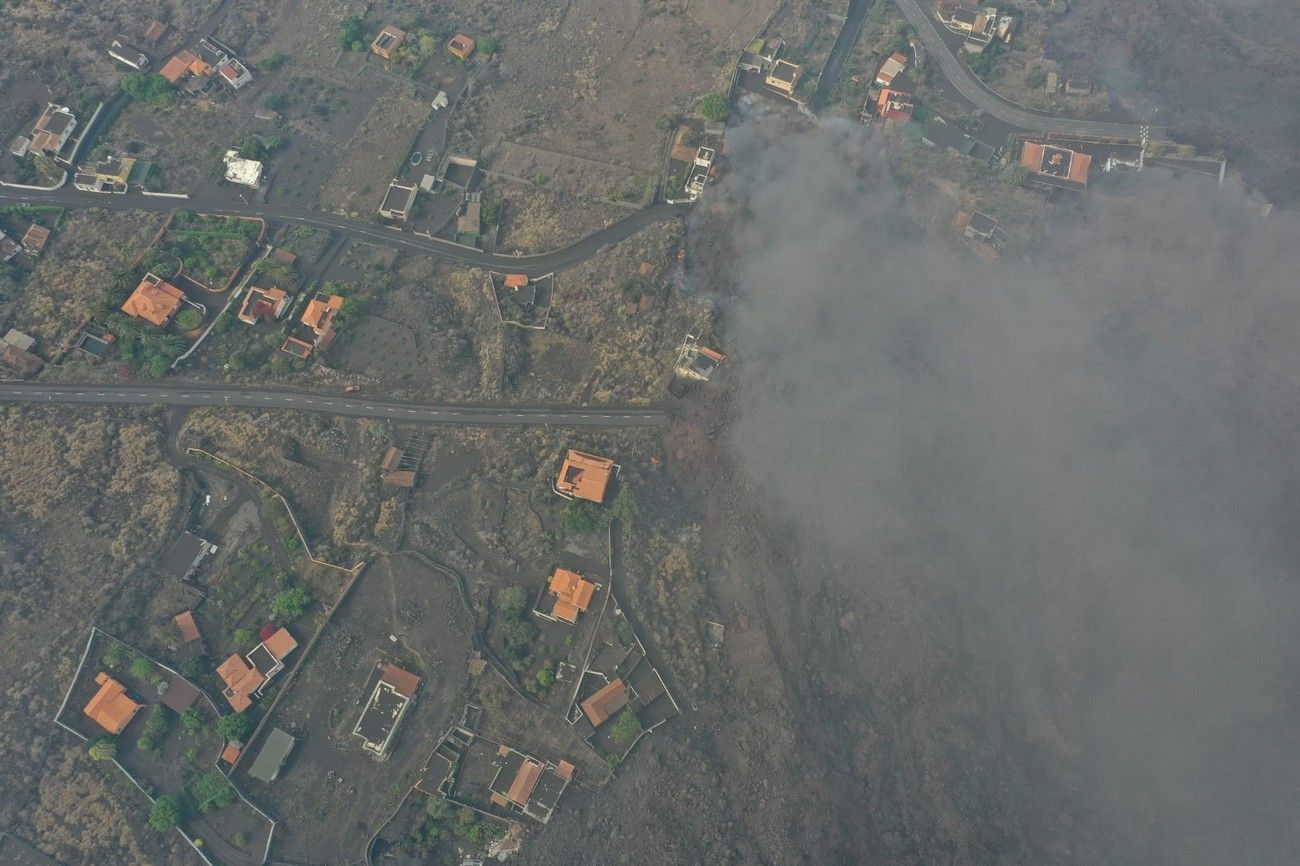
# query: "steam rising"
[[1089, 457]]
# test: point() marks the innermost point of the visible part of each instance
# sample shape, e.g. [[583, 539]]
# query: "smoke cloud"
[[1058, 497]]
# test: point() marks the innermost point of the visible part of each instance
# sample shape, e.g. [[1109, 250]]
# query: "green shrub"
[[235, 726], [580, 518], [511, 601], [192, 721], [189, 319], [351, 29], [546, 675], [103, 749], [244, 640], [156, 725], [627, 727], [289, 605], [142, 669], [151, 89], [212, 790], [713, 107], [488, 45], [165, 814]]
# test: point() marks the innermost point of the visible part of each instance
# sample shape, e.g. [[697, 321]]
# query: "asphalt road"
[[979, 95], [844, 42], [544, 263], [198, 394]]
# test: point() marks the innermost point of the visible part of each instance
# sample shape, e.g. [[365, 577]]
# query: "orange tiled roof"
[[241, 680], [1079, 167], [280, 643], [605, 703], [319, 314], [516, 281], [230, 754], [1031, 156], [189, 628], [154, 300], [565, 770], [36, 237], [573, 592], [461, 46], [585, 476], [175, 68], [111, 709], [261, 302], [530, 771], [404, 681]]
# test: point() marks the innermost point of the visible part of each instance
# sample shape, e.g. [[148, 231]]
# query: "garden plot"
[[330, 795]]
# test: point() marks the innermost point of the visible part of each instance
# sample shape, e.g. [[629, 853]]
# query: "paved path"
[[981, 96], [70, 197], [844, 42], [198, 394]]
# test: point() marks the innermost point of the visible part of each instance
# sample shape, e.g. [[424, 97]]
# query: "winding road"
[[535, 265], [201, 394], [981, 96]]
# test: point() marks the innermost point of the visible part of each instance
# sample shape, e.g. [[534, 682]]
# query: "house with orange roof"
[[189, 628], [585, 476], [111, 708], [388, 41], [570, 594], [608, 700], [527, 785], [155, 300], [1058, 166], [246, 676], [261, 304], [178, 66], [242, 682], [393, 692], [892, 67], [317, 330], [461, 46], [894, 105], [320, 313]]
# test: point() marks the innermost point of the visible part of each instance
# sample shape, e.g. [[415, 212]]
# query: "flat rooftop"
[[381, 714]]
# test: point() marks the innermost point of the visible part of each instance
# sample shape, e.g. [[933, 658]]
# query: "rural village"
[[345, 634]]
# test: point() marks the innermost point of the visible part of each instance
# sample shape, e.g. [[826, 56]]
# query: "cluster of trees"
[[290, 604], [155, 728], [166, 814], [516, 628], [235, 726], [352, 29], [581, 517], [713, 107], [442, 820], [151, 89], [212, 790], [626, 728]]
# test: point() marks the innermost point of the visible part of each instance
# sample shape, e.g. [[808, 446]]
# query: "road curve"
[[535, 265], [201, 394], [981, 96]]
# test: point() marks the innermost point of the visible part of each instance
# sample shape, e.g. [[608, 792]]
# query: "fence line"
[[354, 570]]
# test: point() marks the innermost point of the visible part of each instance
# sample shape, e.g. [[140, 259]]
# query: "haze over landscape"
[[649, 431], [1083, 461]]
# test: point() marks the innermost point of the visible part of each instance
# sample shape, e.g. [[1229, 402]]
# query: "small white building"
[[234, 73], [246, 172], [127, 55]]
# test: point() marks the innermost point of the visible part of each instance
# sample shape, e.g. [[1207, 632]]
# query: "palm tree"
[[1014, 173]]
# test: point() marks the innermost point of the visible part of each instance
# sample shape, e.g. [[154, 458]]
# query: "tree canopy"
[[165, 814], [713, 107], [235, 726]]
